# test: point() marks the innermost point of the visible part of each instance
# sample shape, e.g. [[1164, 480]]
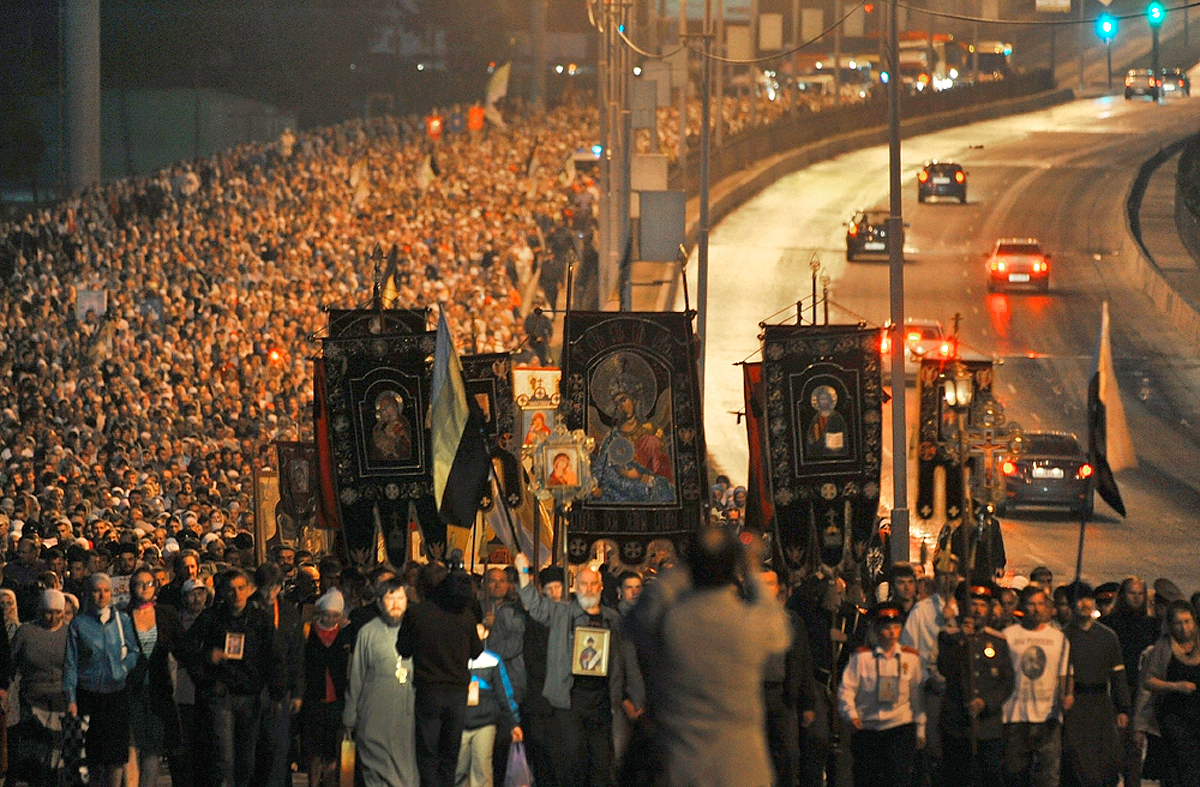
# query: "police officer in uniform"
[[881, 698], [976, 664]]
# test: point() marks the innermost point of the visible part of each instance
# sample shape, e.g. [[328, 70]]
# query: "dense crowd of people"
[[126, 662], [155, 332], [154, 342]]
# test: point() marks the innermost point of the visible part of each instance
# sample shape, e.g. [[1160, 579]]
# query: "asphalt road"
[[1060, 175]]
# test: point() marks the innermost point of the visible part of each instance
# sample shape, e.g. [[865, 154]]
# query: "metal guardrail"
[[803, 126]]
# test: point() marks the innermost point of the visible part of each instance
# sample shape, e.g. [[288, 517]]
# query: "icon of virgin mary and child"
[[633, 463]]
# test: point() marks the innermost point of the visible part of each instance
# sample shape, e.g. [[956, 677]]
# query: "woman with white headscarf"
[[38, 652]]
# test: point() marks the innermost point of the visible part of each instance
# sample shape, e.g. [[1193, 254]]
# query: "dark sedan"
[[867, 233], [1175, 82], [1051, 470], [942, 179]]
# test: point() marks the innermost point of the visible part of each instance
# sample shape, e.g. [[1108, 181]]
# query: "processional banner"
[[824, 438], [377, 394], [629, 381]]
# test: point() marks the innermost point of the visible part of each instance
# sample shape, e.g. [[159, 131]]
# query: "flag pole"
[[1085, 510]]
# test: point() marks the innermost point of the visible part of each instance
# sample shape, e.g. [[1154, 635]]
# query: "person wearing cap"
[[1165, 591], [1040, 655], [1136, 630], [38, 652], [231, 651], [1091, 743], [881, 697], [1106, 598], [975, 662], [327, 669], [537, 714]]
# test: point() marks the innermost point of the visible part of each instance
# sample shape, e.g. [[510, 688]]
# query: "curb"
[[1183, 316]]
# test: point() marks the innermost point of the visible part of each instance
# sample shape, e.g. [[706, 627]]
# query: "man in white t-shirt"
[[1040, 654]]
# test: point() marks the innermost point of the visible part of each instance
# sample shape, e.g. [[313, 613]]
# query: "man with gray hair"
[[584, 699]]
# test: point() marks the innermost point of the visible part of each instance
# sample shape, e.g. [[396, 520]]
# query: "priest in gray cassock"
[[380, 698]]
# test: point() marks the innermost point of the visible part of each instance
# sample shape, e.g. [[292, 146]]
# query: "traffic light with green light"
[[1156, 13], [1106, 27]]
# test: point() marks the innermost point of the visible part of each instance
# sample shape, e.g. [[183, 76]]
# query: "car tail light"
[[1085, 472], [885, 344], [853, 229], [1008, 467], [924, 176], [914, 337], [998, 265], [1040, 266], [1128, 81], [959, 176]]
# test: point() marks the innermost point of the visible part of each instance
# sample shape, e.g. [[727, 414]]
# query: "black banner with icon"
[[630, 383], [824, 439]]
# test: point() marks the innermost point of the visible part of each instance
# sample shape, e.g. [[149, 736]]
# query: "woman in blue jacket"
[[101, 652]]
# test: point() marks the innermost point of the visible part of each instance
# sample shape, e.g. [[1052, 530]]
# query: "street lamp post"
[[895, 228]]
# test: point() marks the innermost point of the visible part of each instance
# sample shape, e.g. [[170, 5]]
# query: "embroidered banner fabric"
[[630, 382], [377, 394], [824, 437], [938, 429]]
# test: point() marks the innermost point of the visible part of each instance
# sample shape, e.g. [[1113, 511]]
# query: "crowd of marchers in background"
[[154, 342]]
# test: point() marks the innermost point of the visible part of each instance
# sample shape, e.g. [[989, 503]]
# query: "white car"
[[922, 339]]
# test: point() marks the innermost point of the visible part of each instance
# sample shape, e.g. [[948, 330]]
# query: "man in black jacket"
[[232, 646], [976, 664], [271, 768], [441, 635]]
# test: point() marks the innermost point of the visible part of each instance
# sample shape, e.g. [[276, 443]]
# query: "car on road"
[[1018, 262], [867, 233], [942, 179], [1142, 82], [1175, 82], [922, 339], [1051, 469]]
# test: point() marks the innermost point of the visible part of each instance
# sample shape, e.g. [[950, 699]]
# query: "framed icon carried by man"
[[589, 654]]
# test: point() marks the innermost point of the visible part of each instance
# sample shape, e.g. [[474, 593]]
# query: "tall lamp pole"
[[895, 225], [705, 152]]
